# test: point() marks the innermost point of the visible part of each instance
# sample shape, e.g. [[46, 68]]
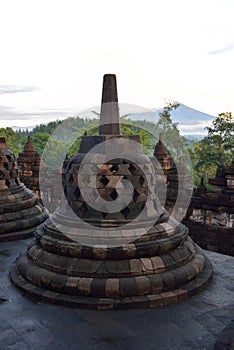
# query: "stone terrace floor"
[[202, 322]]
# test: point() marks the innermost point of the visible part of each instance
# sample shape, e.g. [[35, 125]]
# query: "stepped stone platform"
[[210, 217], [202, 322], [20, 210], [90, 256]]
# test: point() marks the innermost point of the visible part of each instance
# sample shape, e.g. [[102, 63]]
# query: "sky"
[[54, 55]]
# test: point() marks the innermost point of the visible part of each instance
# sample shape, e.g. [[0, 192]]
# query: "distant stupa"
[[87, 255], [174, 174], [210, 217], [29, 166], [20, 210]]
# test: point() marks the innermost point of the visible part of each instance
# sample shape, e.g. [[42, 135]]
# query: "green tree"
[[13, 140], [39, 140], [169, 132], [216, 149], [220, 139], [165, 123], [55, 153]]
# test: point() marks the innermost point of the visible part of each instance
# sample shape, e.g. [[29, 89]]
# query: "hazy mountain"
[[190, 121], [187, 115]]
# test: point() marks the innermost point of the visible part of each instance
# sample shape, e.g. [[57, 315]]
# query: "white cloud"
[[12, 89], [223, 50], [158, 49]]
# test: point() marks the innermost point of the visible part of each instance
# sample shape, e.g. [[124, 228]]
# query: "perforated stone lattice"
[[20, 210], [8, 170], [109, 177]]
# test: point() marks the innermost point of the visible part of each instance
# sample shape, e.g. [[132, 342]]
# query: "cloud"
[[195, 129], [195, 126], [223, 50], [10, 117], [9, 113], [12, 89]]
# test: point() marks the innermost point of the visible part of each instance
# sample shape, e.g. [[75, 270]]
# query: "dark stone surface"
[[110, 110], [211, 237], [195, 324], [226, 339]]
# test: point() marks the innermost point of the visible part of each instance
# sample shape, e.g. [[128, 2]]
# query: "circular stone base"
[[14, 236], [25, 233], [146, 301]]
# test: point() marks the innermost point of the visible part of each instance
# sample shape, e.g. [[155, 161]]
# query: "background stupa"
[[20, 210], [210, 216], [29, 165]]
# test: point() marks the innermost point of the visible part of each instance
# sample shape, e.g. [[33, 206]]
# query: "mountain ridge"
[[190, 121]]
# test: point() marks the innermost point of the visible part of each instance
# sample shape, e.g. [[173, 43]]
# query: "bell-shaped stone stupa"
[[29, 165], [110, 244], [174, 174], [20, 210]]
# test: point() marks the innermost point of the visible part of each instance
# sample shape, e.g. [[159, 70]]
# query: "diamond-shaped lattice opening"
[[6, 166], [7, 182], [104, 180], [114, 168], [77, 192], [125, 212], [141, 180], [114, 194], [83, 209], [132, 168], [70, 180], [135, 195]]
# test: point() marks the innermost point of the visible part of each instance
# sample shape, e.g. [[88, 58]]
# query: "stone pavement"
[[196, 324]]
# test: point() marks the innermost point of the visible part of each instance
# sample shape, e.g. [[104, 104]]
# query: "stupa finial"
[[109, 119], [28, 147]]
